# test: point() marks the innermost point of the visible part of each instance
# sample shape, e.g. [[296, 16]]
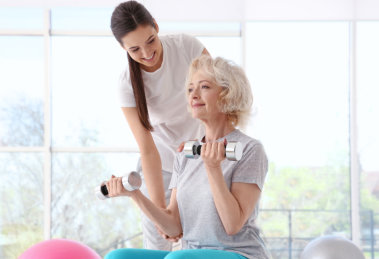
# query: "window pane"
[[86, 110], [299, 77], [75, 18], [199, 27], [12, 18], [21, 210], [77, 214], [21, 91], [226, 47], [368, 132]]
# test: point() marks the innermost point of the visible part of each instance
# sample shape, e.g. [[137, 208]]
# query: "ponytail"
[[139, 93], [127, 17]]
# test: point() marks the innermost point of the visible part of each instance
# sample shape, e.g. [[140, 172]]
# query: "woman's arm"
[[167, 219], [234, 206], [150, 159]]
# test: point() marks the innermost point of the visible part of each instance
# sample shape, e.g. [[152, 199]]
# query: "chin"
[[198, 116]]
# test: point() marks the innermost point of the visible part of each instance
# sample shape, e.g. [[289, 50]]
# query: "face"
[[203, 95], [144, 46]]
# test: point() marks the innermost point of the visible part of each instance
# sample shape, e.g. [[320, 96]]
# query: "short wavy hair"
[[236, 98]]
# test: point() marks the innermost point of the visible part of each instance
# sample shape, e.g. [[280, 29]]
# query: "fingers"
[[213, 150], [114, 186], [220, 150], [181, 146], [171, 239]]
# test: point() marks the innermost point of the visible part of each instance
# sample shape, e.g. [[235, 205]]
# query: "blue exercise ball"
[[331, 247]]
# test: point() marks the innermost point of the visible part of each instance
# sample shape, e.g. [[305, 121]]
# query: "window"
[[299, 77], [85, 105], [368, 136], [62, 77]]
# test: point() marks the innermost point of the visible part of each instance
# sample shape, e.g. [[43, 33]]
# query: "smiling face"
[[203, 95], [144, 46]]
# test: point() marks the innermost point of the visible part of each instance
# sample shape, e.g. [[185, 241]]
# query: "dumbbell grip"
[[104, 190], [132, 181], [197, 150], [233, 150]]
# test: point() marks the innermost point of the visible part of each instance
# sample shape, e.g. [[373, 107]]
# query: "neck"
[[217, 128]]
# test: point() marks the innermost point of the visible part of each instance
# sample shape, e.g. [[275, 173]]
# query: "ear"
[[156, 25]]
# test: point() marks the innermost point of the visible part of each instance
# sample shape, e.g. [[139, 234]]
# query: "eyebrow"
[[148, 39], [201, 81]]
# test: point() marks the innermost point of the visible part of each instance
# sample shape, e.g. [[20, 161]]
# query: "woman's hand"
[[165, 236], [213, 153], [181, 146], [115, 187]]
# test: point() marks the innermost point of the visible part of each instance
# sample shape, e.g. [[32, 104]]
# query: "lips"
[[197, 105], [150, 58]]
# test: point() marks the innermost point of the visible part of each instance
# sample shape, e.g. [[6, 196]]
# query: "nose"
[[195, 94], [146, 52]]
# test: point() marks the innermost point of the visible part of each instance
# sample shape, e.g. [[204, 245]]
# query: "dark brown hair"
[[127, 17]]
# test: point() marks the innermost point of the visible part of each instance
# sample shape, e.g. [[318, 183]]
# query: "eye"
[[190, 89], [204, 87], [151, 41], [135, 50]]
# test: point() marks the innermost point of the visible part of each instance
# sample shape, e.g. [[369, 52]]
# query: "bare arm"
[[167, 219], [241, 199], [150, 159]]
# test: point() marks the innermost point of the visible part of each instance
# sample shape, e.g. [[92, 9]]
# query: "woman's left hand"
[[115, 187], [213, 153]]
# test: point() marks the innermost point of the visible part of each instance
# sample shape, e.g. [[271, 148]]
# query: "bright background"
[[314, 72]]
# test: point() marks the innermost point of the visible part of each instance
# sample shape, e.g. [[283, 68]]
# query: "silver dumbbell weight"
[[233, 150], [131, 181]]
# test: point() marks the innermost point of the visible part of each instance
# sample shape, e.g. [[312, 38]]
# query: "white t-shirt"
[[166, 96]]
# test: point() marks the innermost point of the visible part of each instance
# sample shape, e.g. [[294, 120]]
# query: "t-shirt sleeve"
[[193, 46], [252, 168], [175, 172], [126, 95]]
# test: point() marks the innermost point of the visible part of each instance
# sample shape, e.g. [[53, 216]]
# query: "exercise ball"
[[59, 249], [331, 247]]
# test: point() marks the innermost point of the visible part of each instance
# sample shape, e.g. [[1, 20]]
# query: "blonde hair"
[[236, 98]]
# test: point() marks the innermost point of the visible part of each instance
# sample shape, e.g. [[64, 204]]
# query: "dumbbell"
[[233, 150], [131, 181]]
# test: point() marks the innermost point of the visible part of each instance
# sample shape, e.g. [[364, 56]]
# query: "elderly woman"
[[214, 201]]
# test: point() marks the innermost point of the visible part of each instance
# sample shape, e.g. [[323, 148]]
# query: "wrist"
[[212, 167], [134, 194]]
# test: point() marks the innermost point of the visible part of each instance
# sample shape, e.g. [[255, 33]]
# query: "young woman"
[[214, 202], [153, 100]]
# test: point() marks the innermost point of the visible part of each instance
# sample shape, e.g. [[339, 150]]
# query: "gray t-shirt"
[[202, 226]]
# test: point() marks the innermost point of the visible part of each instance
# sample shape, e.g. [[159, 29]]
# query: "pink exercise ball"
[[59, 249]]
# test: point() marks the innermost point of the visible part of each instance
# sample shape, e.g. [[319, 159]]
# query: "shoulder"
[[250, 145], [124, 79]]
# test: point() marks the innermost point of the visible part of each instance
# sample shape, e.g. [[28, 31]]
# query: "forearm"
[[152, 171], [228, 208], [167, 220], [150, 159]]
